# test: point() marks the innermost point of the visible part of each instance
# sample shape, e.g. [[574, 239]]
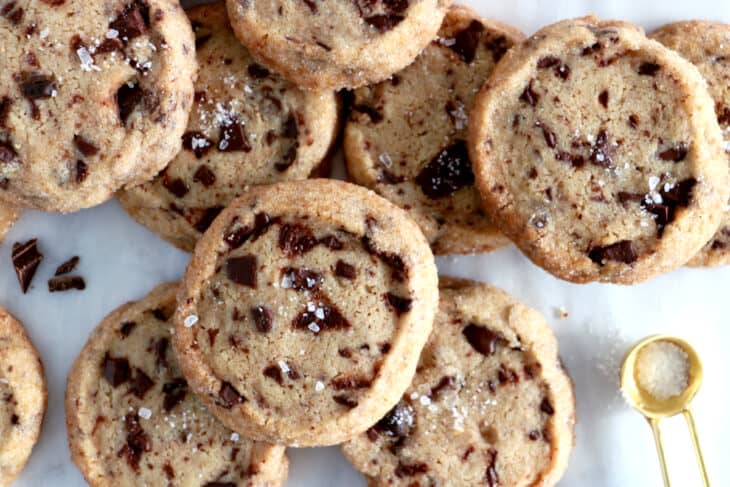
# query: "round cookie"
[[23, 397], [97, 97], [406, 137], [8, 216], [248, 126], [490, 403], [304, 310], [132, 420], [597, 151], [707, 46], [336, 44]]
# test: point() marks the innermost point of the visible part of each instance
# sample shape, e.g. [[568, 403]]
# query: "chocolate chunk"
[[446, 382], [205, 176], [394, 262], [160, 349], [562, 70], [301, 279], [296, 239], [236, 238], [233, 137], [220, 484], [466, 41], [575, 160], [676, 153], [242, 270], [601, 151], [546, 407], [320, 316], [7, 152], [257, 71], [140, 384], [206, 219], [633, 121], [137, 442], [345, 270], [507, 375], [398, 422], [626, 197], [132, 22], [12, 12], [26, 259], [116, 370], [14, 420], [228, 396], [723, 114], [169, 471], [290, 130], [603, 98], [448, 171], [197, 143], [346, 382], [128, 97], [491, 476], [66, 283], [160, 314], [127, 328], [85, 147], [5, 103], [263, 318], [384, 23], [82, 171], [202, 34], [398, 304], [649, 69], [37, 86], [410, 470], [312, 5], [482, 339], [498, 46], [346, 401], [678, 195], [550, 139], [374, 115], [530, 96], [534, 435], [174, 392], [274, 372], [176, 186], [109, 45], [622, 251]]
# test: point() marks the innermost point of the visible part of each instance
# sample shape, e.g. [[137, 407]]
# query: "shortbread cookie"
[[304, 310], [22, 397], [132, 419], [93, 95], [248, 126], [490, 403], [707, 46], [597, 151], [406, 137], [335, 44], [8, 216]]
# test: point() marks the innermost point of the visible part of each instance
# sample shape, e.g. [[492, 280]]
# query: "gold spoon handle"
[[696, 442], [660, 449]]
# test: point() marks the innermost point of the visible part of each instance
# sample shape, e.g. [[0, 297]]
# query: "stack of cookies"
[[311, 312]]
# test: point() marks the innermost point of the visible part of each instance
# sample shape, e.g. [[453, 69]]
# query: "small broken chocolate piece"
[[446, 382], [85, 147], [82, 171], [347, 382], [116, 370], [263, 318], [546, 407], [602, 150], [301, 279], [37, 86], [296, 239], [67, 266], [530, 96], [399, 304], [320, 316], [410, 470], [132, 22], [482, 339], [233, 137], [398, 422], [346, 401], [128, 96], [205, 176], [140, 384], [174, 392], [206, 218], [26, 259], [197, 143], [676, 153], [622, 251], [127, 327], [137, 442], [257, 71], [7, 152], [66, 283], [228, 396], [449, 171], [649, 69], [345, 270], [242, 270], [466, 41], [491, 476]]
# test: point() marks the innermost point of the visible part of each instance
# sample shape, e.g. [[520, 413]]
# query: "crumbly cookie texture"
[[304, 310], [336, 44], [597, 151], [94, 95], [248, 126], [23, 397], [8, 216], [132, 419], [406, 137], [707, 46], [490, 403]]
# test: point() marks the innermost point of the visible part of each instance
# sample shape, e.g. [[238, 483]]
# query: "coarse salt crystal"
[[235, 437], [385, 160], [283, 366], [319, 386], [4, 380], [319, 313], [87, 62], [190, 321], [653, 182], [313, 327], [144, 413], [112, 34], [43, 34], [425, 400]]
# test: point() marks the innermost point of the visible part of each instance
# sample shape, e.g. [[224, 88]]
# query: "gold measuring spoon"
[[657, 409]]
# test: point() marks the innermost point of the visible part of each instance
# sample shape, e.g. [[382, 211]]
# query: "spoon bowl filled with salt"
[[660, 376]]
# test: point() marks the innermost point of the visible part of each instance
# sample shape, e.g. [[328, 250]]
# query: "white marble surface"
[[121, 261]]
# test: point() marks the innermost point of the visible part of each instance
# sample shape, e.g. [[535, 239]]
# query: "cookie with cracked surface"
[[406, 137], [23, 397], [334, 43], [707, 46], [8, 216], [98, 97], [490, 403], [248, 127], [132, 420], [304, 310], [597, 151]]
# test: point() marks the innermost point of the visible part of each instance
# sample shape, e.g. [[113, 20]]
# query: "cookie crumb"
[[663, 370], [561, 312]]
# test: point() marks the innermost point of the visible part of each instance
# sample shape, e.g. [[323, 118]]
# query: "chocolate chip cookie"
[[707, 46], [8, 216], [490, 403], [334, 43], [304, 310], [248, 126], [132, 419], [23, 397], [597, 151], [406, 137], [93, 95]]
